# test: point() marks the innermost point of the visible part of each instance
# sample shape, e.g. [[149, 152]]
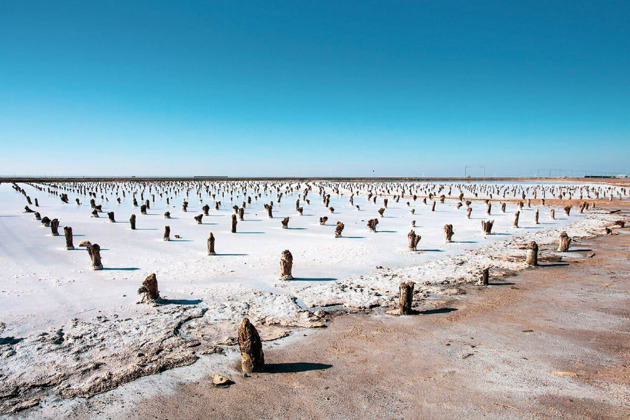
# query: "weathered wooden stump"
[[67, 232], [36, 203], [234, 223], [54, 227], [185, 206], [486, 226], [503, 207], [405, 301], [552, 214], [536, 217], [286, 265], [167, 214], [381, 211], [532, 254], [385, 201], [111, 217], [485, 276], [372, 224], [323, 220], [339, 229], [198, 218], [206, 210], [488, 208], [459, 205], [433, 206], [241, 213], [285, 223], [412, 211], [468, 212], [150, 289], [37, 216], [250, 345], [143, 209], [608, 231], [95, 213], [211, 244], [516, 216], [331, 209], [94, 250], [413, 240], [413, 223], [448, 233], [45, 221], [27, 209], [567, 210], [269, 211], [167, 233], [565, 242], [132, 221]]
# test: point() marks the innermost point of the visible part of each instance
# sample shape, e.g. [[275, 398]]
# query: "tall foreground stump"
[[211, 244], [67, 231], [468, 212], [286, 265], [198, 218], [532, 254], [250, 345], [516, 216], [269, 211], [485, 276], [132, 221], [372, 224], [150, 289], [565, 242], [285, 223], [234, 222], [552, 214], [95, 254], [111, 217], [448, 233], [486, 227], [405, 301], [167, 233]]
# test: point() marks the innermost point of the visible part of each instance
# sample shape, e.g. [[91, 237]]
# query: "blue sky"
[[296, 88]]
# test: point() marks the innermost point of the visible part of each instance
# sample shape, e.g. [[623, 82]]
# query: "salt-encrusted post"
[[45, 221], [206, 210], [565, 242], [167, 214], [372, 224], [567, 210], [150, 289], [381, 211], [67, 231], [339, 229], [37, 216], [413, 240], [167, 233], [211, 244], [516, 216], [552, 214], [532, 254], [95, 254], [285, 222], [54, 227], [503, 207], [111, 217], [250, 345], [234, 223], [269, 211], [448, 233], [132, 221], [322, 220], [485, 275], [241, 213], [405, 301], [198, 218], [536, 216], [286, 265], [486, 227], [468, 211], [143, 209], [488, 207]]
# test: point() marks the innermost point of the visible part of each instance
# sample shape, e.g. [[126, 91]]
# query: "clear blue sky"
[[313, 88]]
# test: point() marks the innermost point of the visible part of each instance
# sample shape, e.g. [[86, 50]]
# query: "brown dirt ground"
[[551, 342]]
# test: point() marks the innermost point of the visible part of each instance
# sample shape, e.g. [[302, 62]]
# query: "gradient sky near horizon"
[[319, 88]]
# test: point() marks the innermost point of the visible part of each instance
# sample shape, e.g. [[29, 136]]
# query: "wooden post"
[[167, 214], [198, 218], [372, 224], [143, 209], [552, 214], [381, 211], [468, 212], [567, 210], [405, 301], [532, 254], [565, 242], [38, 216], [516, 216], [54, 227], [285, 223], [486, 227], [488, 207], [95, 254], [536, 217], [206, 210], [286, 265], [503, 207], [241, 213], [269, 211], [433, 206], [448, 233], [167, 233], [211, 244], [150, 289], [67, 231], [250, 345], [339, 229], [323, 220], [111, 217], [234, 223], [132, 221], [413, 240], [485, 275]]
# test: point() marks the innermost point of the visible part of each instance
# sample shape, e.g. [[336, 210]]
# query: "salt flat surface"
[[45, 288]]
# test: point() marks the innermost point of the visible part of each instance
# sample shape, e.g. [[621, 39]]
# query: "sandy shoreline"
[[550, 342]]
